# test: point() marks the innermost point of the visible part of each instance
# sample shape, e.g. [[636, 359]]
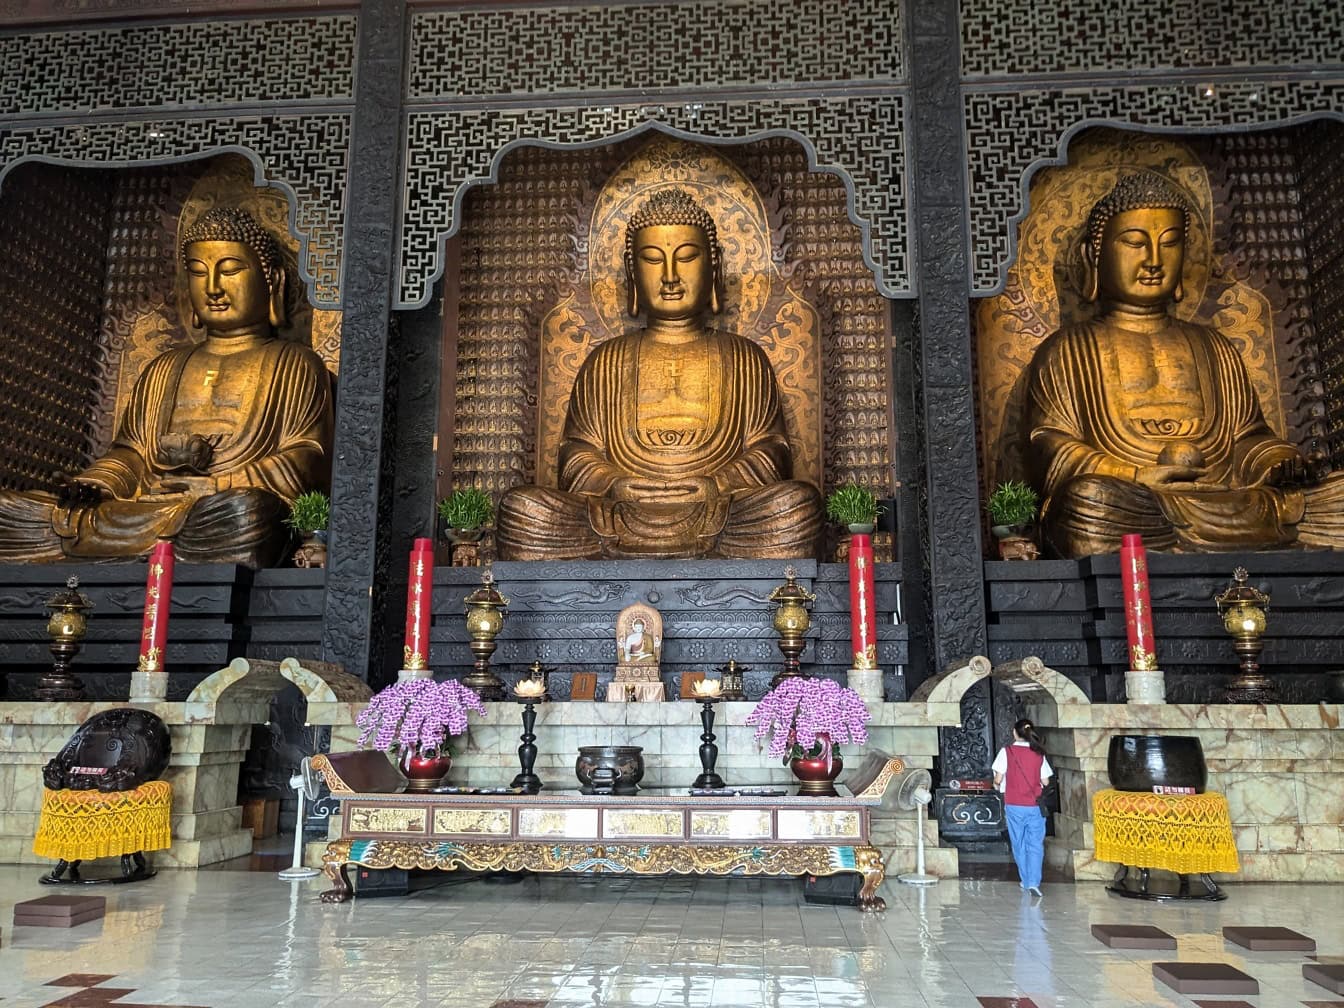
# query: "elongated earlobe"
[[195, 319], [1091, 274], [632, 301], [279, 316], [1178, 295]]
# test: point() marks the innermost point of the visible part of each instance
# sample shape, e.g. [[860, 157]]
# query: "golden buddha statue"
[[1139, 422], [674, 443], [216, 439]]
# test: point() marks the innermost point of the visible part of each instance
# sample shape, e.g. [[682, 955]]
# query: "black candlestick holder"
[[527, 752], [709, 752]]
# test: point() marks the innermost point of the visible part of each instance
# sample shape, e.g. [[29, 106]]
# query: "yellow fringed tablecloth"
[[1189, 834], [83, 825]]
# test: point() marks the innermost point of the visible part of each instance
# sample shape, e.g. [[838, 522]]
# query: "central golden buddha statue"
[[216, 440], [674, 444], [1142, 423]]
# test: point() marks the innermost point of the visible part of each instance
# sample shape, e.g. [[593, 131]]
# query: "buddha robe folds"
[[735, 437], [1099, 410], [276, 451]]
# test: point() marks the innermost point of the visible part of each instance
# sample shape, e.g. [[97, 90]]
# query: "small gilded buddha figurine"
[[216, 439], [1140, 422], [674, 444]]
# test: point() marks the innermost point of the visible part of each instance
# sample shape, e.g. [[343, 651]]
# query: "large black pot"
[[1142, 762], [609, 769]]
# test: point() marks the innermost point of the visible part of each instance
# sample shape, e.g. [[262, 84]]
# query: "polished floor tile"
[[246, 940]]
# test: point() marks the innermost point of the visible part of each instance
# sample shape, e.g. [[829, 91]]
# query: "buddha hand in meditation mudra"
[[1142, 423], [674, 444], [216, 440]]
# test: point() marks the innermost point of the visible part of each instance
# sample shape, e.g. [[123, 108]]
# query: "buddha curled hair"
[[233, 224], [1139, 191]]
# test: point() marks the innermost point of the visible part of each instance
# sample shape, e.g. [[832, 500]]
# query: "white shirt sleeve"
[[1000, 765], [1047, 771]]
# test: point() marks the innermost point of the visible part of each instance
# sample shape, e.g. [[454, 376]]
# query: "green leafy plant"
[[851, 504], [310, 512], [1012, 503], [466, 508]]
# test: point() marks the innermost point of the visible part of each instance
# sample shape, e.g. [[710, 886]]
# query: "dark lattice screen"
[[1321, 154], [53, 242]]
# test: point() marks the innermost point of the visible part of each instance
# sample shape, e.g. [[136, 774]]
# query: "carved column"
[[952, 553], [359, 540]]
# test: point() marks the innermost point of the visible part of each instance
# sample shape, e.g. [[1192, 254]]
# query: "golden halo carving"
[[728, 197], [1050, 240]]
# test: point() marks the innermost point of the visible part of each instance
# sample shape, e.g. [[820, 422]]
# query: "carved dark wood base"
[[1120, 886], [133, 869], [338, 872]]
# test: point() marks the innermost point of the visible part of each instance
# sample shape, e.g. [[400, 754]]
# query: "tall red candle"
[[1138, 606], [419, 592], [158, 601], [862, 612]]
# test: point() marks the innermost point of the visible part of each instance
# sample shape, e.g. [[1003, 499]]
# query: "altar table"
[[658, 831]]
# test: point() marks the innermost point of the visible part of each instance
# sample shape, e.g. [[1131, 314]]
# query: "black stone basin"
[[1142, 762], [609, 769]]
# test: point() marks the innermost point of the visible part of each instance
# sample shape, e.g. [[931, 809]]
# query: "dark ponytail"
[[1026, 731]]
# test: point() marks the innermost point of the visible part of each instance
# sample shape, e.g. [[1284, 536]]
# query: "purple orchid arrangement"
[[417, 716], [801, 711]]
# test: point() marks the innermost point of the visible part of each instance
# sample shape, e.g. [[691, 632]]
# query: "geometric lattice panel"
[[1027, 37], [308, 154], [642, 48], [184, 66], [1010, 134], [859, 137]]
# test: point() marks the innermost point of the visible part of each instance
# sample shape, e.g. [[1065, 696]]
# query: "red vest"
[[1022, 781]]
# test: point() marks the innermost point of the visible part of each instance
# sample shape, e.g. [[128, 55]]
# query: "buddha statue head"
[[235, 273], [673, 262], [1134, 244]]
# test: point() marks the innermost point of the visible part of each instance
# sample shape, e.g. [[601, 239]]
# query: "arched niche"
[[1265, 264], [539, 285], [1028, 677], [91, 290]]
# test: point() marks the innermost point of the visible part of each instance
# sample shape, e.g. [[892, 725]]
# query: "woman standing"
[[1020, 772]]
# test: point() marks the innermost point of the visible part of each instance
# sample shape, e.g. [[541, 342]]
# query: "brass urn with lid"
[[792, 620]]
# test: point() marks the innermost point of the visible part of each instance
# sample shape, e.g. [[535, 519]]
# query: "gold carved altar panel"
[[798, 824], [572, 824], [730, 824], [387, 819], [1044, 285], [759, 303], [633, 824], [494, 822]]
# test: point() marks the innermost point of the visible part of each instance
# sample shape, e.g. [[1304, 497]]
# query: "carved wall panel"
[[1009, 134], [1043, 291], [1321, 150], [448, 150], [53, 233], [704, 44], [527, 296], [1002, 38], [181, 66]]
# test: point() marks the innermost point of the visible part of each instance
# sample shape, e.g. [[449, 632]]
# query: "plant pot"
[[609, 769], [817, 775], [313, 551], [1015, 542], [458, 536], [860, 528], [423, 772], [1142, 762]]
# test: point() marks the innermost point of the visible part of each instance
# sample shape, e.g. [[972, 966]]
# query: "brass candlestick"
[[1244, 609], [485, 618], [66, 628], [791, 622]]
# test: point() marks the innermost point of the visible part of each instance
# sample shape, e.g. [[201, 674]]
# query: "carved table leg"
[[341, 890], [868, 860], [1121, 876]]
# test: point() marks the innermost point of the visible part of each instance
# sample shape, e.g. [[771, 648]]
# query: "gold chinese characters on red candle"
[[1138, 606], [158, 601], [419, 593]]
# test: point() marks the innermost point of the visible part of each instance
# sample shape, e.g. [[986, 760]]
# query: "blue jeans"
[[1026, 832]]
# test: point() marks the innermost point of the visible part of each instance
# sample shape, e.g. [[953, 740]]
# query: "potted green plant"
[[855, 507], [1012, 513], [464, 513], [309, 516]]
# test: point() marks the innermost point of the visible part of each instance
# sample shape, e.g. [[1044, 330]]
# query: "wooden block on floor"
[[1269, 939], [1205, 978], [59, 911], [1132, 936], [1327, 975]]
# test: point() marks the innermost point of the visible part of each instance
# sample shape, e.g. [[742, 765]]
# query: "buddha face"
[[673, 272], [1141, 257], [228, 286]]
